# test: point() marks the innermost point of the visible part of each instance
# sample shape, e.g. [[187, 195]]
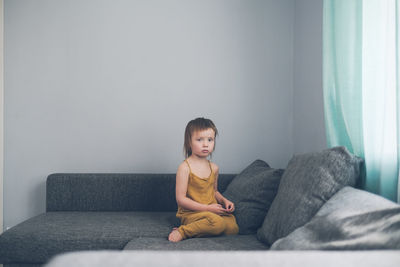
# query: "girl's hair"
[[198, 124]]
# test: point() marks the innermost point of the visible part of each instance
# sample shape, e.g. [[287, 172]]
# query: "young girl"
[[203, 210]]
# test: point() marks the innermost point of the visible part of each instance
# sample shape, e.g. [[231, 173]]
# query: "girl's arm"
[[182, 178], [227, 204]]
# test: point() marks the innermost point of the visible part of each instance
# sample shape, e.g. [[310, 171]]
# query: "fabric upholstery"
[[307, 183], [226, 242], [43, 236], [253, 191], [351, 220], [114, 192]]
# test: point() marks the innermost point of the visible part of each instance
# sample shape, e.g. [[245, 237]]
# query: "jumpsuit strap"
[[188, 165]]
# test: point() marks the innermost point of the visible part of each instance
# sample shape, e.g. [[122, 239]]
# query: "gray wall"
[[1, 111], [108, 86], [308, 111]]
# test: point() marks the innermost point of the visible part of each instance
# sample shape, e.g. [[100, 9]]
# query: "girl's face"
[[202, 142]]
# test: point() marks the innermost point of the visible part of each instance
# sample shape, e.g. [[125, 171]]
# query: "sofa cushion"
[[48, 234], [307, 183], [228, 242], [114, 191], [352, 219], [253, 191]]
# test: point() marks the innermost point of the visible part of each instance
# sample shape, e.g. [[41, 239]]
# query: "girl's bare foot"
[[175, 236]]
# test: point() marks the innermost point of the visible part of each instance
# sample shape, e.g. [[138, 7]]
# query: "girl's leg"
[[201, 224], [231, 227]]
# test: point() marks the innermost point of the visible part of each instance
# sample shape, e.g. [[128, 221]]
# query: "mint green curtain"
[[361, 86]]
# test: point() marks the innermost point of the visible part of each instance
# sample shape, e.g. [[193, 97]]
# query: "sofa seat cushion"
[[230, 242], [48, 234]]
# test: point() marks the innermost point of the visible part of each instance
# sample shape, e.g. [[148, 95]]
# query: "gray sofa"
[[312, 205]]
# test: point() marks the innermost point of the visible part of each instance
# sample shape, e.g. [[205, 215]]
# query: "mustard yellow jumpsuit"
[[204, 223]]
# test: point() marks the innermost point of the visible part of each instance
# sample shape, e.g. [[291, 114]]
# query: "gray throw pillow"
[[308, 182], [252, 191], [351, 220]]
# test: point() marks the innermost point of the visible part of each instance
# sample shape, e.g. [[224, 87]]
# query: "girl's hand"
[[217, 209], [229, 206]]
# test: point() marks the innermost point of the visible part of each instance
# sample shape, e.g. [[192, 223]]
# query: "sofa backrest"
[[115, 192]]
